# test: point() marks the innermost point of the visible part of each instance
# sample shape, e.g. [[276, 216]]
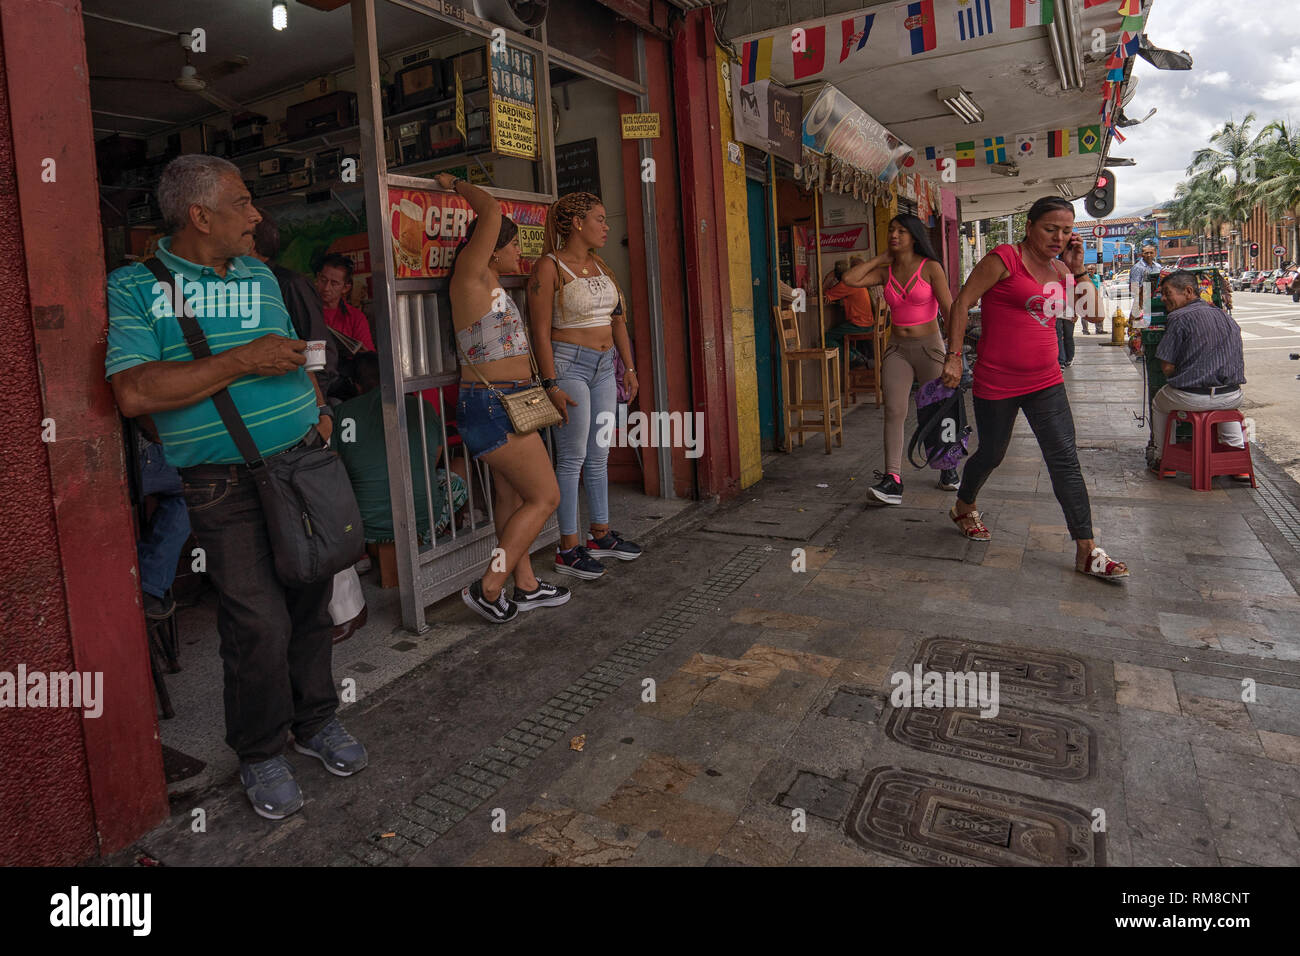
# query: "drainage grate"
[[437, 810], [818, 795], [1279, 509], [1026, 671], [928, 818]]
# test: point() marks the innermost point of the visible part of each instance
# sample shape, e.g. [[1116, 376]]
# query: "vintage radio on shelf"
[[271, 184], [412, 143], [478, 130], [300, 178], [274, 134], [423, 83], [321, 115], [246, 133], [327, 164]]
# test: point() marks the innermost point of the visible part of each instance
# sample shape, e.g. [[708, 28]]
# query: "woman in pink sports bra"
[[1022, 290], [916, 290]]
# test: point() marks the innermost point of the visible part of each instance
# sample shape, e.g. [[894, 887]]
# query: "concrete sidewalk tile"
[[682, 821], [1083, 609], [505, 849], [1206, 685], [791, 695], [656, 851], [1255, 773], [1187, 630], [1228, 715], [763, 617], [787, 660], [1003, 556], [1147, 688], [1175, 826], [573, 838], [761, 836], [674, 697], [1284, 748], [1251, 826], [1158, 768], [747, 672], [1150, 853], [665, 773], [862, 674], [1293, 808]]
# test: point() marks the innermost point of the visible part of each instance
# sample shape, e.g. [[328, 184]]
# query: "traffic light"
[[1100, 200], [1254, 250]]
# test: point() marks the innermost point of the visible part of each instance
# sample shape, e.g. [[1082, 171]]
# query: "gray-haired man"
[[1145, 270], [275, 641]]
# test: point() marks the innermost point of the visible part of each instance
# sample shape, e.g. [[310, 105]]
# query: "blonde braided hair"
[[559, 229]]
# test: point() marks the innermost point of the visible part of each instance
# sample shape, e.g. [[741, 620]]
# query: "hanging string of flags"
[[996, 149], [903, 30]]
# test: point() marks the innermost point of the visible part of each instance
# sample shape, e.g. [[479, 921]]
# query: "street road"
[[1270, 332]]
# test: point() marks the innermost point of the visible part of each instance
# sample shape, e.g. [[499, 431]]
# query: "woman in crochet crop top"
[[491, 336], [576, 315], [1023, 289], [916, 291]]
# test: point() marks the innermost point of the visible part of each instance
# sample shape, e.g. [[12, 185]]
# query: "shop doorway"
[[760, 250]]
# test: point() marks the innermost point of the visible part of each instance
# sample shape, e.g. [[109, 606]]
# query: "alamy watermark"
[[651, 430], [74, 689], [214, 299], [946, 689]]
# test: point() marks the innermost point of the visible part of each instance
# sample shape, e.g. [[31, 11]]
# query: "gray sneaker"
[[271, 788], [337, 749]]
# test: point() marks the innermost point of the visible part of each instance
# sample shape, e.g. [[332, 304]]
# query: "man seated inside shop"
[[334, 283], [360, 443], [858, 311], [1200, 354], [300, 298]]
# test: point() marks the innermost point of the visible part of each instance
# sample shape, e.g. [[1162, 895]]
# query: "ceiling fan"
[[189, 79]]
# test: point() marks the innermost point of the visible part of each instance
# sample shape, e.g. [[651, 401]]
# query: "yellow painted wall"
[[742, 292]]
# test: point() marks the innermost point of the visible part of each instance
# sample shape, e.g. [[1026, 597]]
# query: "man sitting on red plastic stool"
[[1202, 359]]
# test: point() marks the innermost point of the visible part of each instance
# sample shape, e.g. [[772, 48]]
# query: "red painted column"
[[71, 786], [707, 276]]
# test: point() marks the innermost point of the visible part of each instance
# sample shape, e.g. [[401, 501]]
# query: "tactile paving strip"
[[1279, 509], [446, 803]]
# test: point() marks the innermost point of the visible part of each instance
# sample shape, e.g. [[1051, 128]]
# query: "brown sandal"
[[976, 530], [1101, 565]]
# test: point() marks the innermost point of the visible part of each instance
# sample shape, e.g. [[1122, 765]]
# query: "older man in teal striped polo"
[[275, 641]]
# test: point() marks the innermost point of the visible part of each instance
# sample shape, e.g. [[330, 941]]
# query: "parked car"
[[1257, 284], [1243, 279], [1282, 285]]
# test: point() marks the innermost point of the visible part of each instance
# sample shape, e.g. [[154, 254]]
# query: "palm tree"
[[1233, 150], [1278, 185], [1201, 204]]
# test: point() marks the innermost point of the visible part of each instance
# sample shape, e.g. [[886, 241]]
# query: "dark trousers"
[[1064, 341], [1048, 414], [275, 641]]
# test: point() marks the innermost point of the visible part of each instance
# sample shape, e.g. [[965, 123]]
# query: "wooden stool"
[[866, 379], [831, 422]]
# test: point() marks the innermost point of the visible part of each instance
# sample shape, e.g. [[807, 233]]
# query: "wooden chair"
[[831, 423], [858, 380]]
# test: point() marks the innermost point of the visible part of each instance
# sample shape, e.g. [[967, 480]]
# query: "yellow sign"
[[640, 125], [460, 110], [1171, 233], [514, 130], [530, 241]]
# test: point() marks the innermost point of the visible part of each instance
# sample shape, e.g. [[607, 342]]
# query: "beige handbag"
[[530, 410]]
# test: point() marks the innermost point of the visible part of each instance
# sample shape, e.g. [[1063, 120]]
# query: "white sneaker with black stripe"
[[498, 612], [544, 595]]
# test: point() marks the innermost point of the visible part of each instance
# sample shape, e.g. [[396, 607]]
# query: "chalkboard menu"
[[577, 169]]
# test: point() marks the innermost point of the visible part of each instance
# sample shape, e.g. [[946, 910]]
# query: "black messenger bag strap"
[[198, 345]]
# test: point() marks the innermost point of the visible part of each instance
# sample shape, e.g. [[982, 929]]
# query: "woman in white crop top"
[[575, 312]]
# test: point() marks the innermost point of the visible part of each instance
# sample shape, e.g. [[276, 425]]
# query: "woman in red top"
[[1022, 291]]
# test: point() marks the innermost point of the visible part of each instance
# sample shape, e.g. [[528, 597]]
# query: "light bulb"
[[280, 15]]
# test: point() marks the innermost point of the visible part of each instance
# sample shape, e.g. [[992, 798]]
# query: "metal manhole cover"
[[927, 818], [1046, 745], [1022, 670], [818, 795]]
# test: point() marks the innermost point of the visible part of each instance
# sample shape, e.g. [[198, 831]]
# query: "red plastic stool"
[[1220, 459], [1204, 457], [1182, 456]]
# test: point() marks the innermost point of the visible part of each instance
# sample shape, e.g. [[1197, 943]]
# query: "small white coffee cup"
[[315, 354]]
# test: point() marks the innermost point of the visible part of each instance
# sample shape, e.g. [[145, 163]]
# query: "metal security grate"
[[437, 810], [1284, 515]]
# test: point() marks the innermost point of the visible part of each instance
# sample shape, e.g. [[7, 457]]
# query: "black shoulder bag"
[[312, 516]]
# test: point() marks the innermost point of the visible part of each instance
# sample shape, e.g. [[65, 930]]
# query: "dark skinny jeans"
[[1048, 413]]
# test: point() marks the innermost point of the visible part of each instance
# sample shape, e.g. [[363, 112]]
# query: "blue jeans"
[[160, 544], [586, 376]]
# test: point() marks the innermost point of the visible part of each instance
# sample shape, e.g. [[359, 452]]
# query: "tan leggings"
[[905, 359]]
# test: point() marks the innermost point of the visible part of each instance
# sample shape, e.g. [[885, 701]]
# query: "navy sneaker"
[[949, 480], [889, 489], [612, 545], [337, 749], [577, 562], [271, 788], [498, 612], [544, 595]]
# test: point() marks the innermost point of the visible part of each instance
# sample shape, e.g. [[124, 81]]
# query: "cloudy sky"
[[1246, 58]]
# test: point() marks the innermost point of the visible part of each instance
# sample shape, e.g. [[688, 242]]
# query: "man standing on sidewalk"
[[275, 641], [1144, 270], [1200, 354]]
